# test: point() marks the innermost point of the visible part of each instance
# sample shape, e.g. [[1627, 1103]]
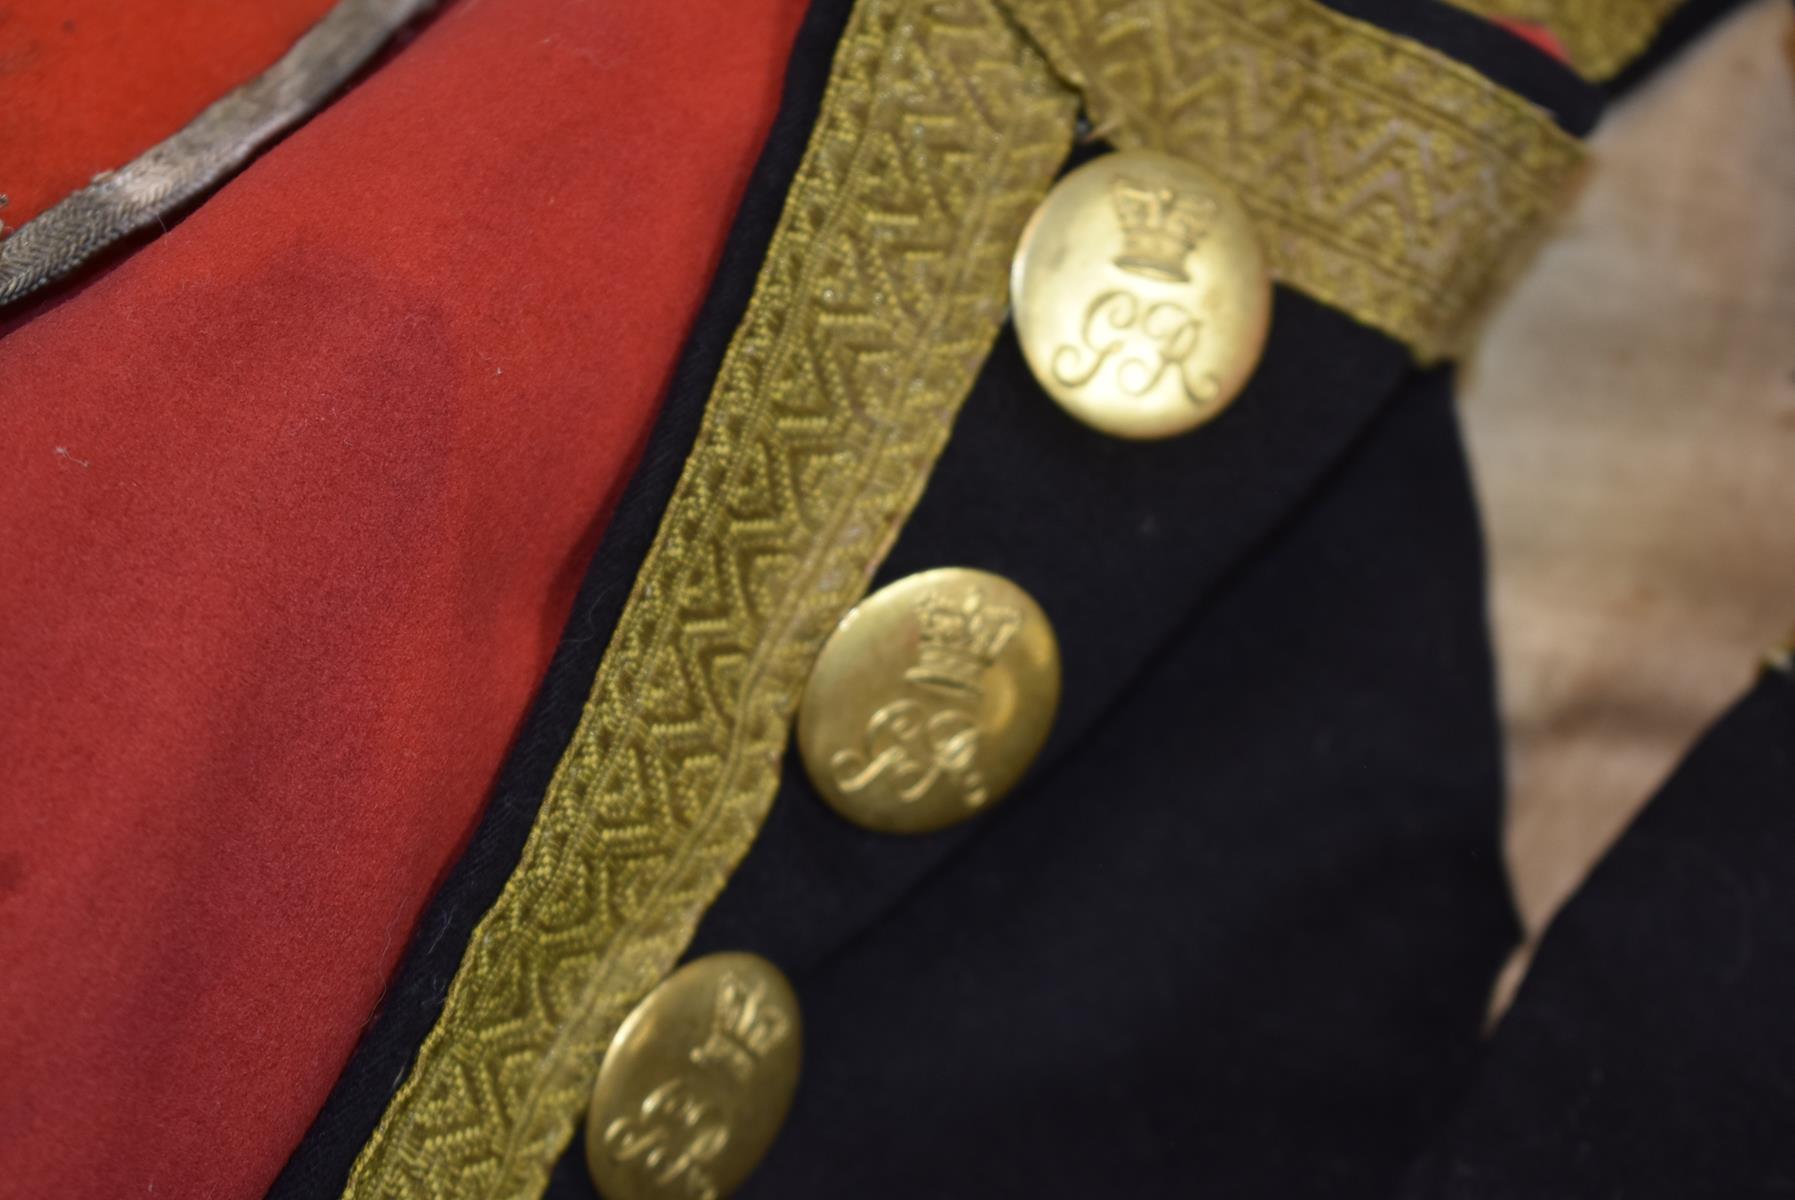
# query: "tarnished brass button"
[[1141, 295], [696, 1082], [930, 700]]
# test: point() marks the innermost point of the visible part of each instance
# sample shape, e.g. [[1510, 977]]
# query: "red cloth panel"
[[293, 505], [88, 85]]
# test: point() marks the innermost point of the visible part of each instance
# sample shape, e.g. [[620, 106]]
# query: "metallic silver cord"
[[205, 152]]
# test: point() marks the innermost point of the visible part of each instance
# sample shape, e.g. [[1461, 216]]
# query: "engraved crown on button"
[[1161, 226], [958, 639], [743, 1027]]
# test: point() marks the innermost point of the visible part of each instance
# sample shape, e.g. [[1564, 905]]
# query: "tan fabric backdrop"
[[1632, 421]]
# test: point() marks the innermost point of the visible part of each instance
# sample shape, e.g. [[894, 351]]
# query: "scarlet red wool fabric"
[[293, 504], [87, 85]]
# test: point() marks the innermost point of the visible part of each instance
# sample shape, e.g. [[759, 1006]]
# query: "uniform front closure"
[[880, 298]]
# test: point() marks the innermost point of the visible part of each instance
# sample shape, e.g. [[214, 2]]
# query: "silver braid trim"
[[213, 146]]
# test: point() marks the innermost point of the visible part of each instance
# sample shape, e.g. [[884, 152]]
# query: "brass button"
[[930, 700], [696, 1082], [1141, 295]]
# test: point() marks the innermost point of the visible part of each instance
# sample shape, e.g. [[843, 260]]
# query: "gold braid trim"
[[1387, 180], [1600, 36], [882, 292], [881, 295]]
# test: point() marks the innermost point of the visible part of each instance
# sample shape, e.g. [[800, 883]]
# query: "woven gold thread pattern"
[[882, 291], [879, 299], [1600, 36], [1387, 180]]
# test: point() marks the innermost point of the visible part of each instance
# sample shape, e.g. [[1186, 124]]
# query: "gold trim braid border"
[[882, 292], [1601, 37], [1387, 180], [880, 298]]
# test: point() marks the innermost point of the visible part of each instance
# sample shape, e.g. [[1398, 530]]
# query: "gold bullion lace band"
[[881, 294], [1386, 180], [883, 289]]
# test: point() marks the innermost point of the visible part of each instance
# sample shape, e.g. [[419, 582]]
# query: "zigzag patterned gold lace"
[[879, 299], [1600, 36], [883, 289], [1386, 180]]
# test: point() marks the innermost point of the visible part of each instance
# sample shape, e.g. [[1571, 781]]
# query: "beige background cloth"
[[1631, 415]]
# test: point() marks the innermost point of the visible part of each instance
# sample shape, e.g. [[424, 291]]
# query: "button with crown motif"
[[695, 1083], [930, 700], [1141, 295]]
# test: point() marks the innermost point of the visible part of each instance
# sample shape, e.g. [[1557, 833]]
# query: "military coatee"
[[445, 559]]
